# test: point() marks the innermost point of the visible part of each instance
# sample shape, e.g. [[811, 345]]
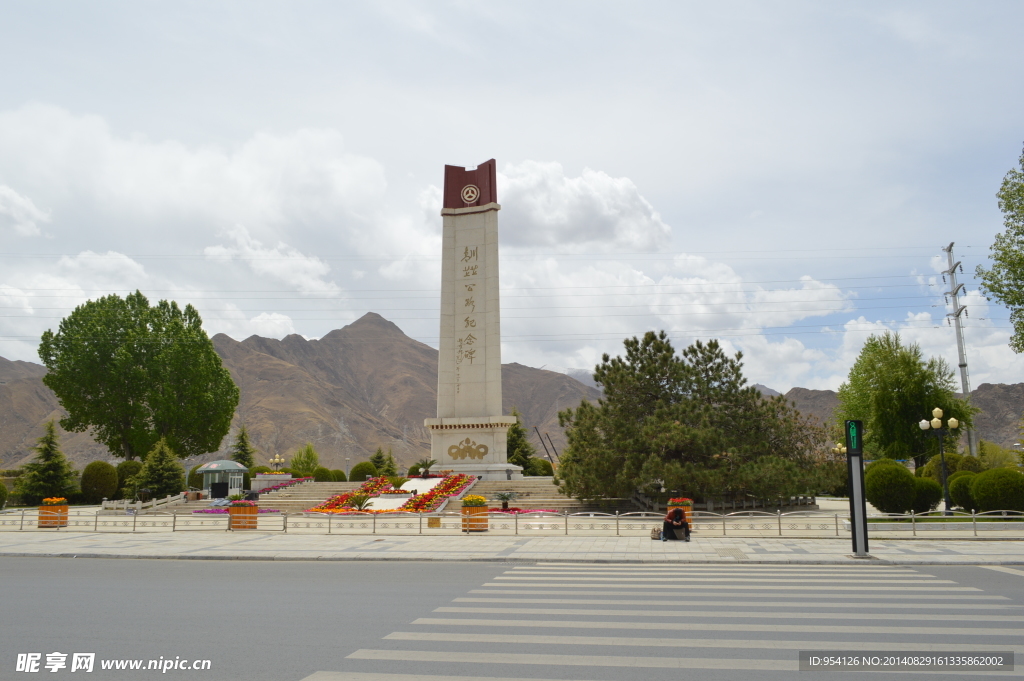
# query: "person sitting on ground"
[[674, 521]]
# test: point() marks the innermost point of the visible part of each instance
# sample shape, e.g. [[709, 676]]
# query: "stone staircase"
[[541, 492], [294, 499]]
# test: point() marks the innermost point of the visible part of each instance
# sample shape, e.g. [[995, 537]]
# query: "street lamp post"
[[936, 429], [277, 461]]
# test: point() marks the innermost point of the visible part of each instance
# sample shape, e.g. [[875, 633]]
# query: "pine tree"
[[242, 451], [390, 467], [520, 451], [379, 460], [162, 474], [49, 475]]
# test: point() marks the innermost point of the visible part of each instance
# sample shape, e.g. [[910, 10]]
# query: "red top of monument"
[[464, 188]]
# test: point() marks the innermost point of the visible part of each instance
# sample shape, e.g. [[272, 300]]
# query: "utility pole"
[[958, 309]]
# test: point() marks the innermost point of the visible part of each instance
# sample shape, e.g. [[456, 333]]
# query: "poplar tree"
[[1005, 281]]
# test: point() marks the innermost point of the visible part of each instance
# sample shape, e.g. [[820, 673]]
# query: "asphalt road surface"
[[407, 621]]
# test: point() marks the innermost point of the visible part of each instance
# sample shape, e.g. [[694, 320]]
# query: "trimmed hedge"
[[960, 490], [3, 495], [890, 489], [99, 482], [927, 495], [256, 470], [970, 464], [339, 476], [125, 470], [321, 474], [537, 466], [414, 470], [362, 471], [1000, 489]]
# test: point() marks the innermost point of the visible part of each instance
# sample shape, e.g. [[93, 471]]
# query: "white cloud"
[[272, 325], [20, 212], [282, 262], [543, 208]]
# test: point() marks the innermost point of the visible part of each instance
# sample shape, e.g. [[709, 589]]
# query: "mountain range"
[[368, 385]]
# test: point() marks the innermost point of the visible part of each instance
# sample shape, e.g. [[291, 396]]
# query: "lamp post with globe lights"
[[935, 429], [277, 461]]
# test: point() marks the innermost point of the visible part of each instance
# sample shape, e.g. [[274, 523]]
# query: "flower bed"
[[451, 486], [421, 503], [282, 485], [218, 511]]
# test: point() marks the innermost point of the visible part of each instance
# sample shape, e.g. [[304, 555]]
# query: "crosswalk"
[[706, 622]]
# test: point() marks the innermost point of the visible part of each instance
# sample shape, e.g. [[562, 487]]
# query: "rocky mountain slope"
[[357, 388]]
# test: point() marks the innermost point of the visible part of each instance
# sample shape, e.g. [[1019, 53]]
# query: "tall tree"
[[1005, 281], [891, 388], [242, 451], [685, 421], [519, 449], [135, 374], [49, 474]]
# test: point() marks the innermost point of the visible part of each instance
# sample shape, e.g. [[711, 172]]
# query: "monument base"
[[475, 445]]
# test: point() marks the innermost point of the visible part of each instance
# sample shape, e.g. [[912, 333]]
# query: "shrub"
[[195, 479], [414, 470], [960, 474], [339, 476], [125, 470], [933, 469], [999, 489], [960, 490], [890, 489], [536, 466], [879, 463], [321, 474], [970, 464], [927, 495], [362, 471], [3, 495], [256, 470], [99, 481]]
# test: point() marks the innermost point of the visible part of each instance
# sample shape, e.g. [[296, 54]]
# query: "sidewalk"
[[257, 545]]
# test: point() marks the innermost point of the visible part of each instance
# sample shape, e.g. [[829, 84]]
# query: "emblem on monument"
[[470, 193], [467, 448]]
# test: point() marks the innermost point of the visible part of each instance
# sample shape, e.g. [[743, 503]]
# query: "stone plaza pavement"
[[258, 545]]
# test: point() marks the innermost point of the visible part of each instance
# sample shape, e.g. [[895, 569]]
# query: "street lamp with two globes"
[[936, 429]]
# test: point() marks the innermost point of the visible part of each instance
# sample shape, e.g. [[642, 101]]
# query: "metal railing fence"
[[540, 523]]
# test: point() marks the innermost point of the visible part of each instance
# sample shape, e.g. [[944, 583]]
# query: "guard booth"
[[222, 479]]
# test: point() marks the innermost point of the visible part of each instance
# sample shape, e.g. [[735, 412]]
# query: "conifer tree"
[[162, 474], [384, 463], [520, 451], [49, 474], [242, 451]]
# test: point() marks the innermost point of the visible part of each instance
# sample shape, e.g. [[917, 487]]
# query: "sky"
[[781, 176]]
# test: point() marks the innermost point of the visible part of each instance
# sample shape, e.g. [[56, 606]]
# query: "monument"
[[470, 434]]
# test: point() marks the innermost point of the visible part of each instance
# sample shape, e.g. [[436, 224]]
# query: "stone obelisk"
[[470, 434]]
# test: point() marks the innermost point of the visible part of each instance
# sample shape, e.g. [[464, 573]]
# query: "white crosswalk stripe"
[[687, 623]]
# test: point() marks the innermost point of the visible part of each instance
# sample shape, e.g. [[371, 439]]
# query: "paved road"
[[407, 621]]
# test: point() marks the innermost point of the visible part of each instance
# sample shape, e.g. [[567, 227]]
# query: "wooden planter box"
[[474, 519], [243, 517], [53, 516]]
